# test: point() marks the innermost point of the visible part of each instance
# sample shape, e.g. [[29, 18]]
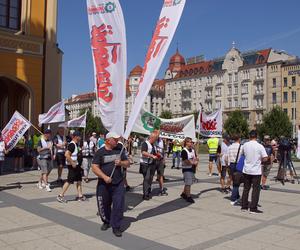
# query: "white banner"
[[55, 114], [177, 128], [161, 39], [108, 42], [298, 145], [210, 125], [14, 130], [79, 122]]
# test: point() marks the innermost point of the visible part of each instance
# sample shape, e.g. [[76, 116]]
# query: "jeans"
[[176, 155], [148, 174], [86, 165], [254, 181]]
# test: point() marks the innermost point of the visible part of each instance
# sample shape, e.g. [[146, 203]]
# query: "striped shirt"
[[232, 152]]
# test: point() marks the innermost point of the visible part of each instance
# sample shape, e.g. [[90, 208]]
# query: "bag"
[[237, 178], [143, 168], [240, 164]]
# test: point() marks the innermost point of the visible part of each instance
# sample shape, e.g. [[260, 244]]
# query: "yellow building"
[[30, 60], [291, 91]]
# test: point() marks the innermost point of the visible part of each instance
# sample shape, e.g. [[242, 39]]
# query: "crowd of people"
[[109, 157]]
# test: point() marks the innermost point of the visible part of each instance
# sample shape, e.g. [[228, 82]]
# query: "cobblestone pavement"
[[33, 219]]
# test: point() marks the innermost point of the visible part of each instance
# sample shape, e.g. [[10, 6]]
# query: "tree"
[[166, 114], [93, 124], [275, 123], [236, 123]]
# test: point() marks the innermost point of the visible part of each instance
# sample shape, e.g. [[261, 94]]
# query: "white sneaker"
[[232, 203], [48, 189], [209, 174], [39, 185]]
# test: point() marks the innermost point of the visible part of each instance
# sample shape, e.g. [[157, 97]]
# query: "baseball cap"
[[267, 137], [112, 135], [94, 133], [76, 133], [47, 131]]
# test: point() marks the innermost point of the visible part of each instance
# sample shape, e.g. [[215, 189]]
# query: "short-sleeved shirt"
[[224, 152], [45, 154], [253, 152], [106, 161]]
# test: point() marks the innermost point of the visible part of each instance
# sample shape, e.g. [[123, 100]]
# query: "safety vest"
[[35, 139], [151, 150], [60, 140], [74, 155], [212, 144], [191, 156], [45, 154], [176, 147], [21, 143], [88, 149]]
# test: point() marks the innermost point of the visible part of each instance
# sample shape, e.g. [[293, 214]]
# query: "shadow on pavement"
[[2, 188]]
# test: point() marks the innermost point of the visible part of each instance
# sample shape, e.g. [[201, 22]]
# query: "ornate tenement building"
[[235, 81], [30, 60]]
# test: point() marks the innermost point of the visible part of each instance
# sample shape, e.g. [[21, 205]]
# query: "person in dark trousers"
[[254, 154], [108, 165], [148, 163], [60, 144]]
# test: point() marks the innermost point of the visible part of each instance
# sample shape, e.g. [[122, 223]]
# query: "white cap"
[[94, 133], [112, 135]]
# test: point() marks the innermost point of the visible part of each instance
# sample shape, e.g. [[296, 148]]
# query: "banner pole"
[[36, 129]]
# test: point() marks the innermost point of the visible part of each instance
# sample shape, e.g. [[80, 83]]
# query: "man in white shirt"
[[224, 165], [254, 154]]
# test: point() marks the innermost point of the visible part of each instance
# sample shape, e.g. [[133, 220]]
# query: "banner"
[[79, 122], [14, 130], [161, 39], [210, 125], [108, 42], [177, 128], [55, 114]]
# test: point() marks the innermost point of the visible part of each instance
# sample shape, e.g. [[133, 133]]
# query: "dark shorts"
[[212, 157], [74, 174], [224, 170], [60, 159], [160, 168], [18, 152], [266, 170]]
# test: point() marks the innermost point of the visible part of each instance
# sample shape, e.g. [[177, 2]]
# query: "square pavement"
[[33, 219]]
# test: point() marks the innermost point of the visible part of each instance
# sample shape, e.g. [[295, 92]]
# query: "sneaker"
[[224, 191], [190, 199], [178, 168], [233, 202], [209, 175], [228, 189], [244, 209], [146, 197], [117, 232], [293, 181], [183, 196], [255, 211], [39, 185], [61, 199], [163, 193], [265, 187], [105, 226], [172, 167], [48, 189], [82, 198], [128, 188]]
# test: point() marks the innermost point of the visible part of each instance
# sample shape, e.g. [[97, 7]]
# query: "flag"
[[108, 43], [79, 122], [55, 114], [210, 125], [161, 39], [14, 130]]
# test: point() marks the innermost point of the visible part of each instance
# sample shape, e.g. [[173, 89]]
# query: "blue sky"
[[206, 27]]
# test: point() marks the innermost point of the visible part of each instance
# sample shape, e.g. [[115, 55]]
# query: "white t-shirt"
[[224, 152], [253, 152]]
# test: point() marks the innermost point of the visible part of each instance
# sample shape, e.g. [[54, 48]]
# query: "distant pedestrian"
[[88, 151], [60, 143], [176, 149], [267, 165], [212, 144], [3, 151], [225, 165]]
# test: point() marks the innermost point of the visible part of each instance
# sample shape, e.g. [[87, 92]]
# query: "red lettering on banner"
[[156, 44], [14, 129], [172, 127], [101, 54], [209, 124]]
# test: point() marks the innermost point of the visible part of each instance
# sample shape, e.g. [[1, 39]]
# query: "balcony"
[[258, 93], [208, 86]]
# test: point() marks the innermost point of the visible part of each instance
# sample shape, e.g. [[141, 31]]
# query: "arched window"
[[10, 14]]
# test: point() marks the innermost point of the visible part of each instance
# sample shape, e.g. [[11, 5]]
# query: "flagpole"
[[36, 129]]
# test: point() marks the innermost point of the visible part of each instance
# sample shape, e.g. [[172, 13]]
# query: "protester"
[[35, 139], [176, 149], [189, 163], [160, 164], [148, 163], [170, 147], [254, 153], [212, 144], [134, 146], [267, 165], [93, 138], [45, 157], [108, 164], [101, 141], [233, 156], [60, 143], [3, 151], [18, 153], [88, 151], [74, 169], [224, 165]]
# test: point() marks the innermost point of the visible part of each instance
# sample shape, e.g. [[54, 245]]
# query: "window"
[[285, 111], [274, 82], [236, 90], [274, 98], [294, 113], [245, 103], [285, 96], [285, 83], [294, 81], [218, 91], [229, 90], [261, 72], [10, 14], [245, 89], [236, 78], [229, 77], [294, 96]]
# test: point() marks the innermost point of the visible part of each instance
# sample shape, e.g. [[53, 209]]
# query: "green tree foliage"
[[236, 123], [275, 123], [166, 114], [93, 124]]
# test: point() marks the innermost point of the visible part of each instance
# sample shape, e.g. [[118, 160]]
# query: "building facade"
[[235, 81], [30, 60]]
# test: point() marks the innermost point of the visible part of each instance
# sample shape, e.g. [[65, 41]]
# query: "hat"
[[94, 133], [76, 133], [112, 135], [47, 131], [267, 137]]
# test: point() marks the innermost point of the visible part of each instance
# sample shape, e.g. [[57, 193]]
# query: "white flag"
[[210, 125], [55, 114], [79, 122], [14, 130], [161, 39], [108, 42]]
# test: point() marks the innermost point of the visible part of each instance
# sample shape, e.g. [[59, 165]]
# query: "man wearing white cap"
[[108, 164]]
